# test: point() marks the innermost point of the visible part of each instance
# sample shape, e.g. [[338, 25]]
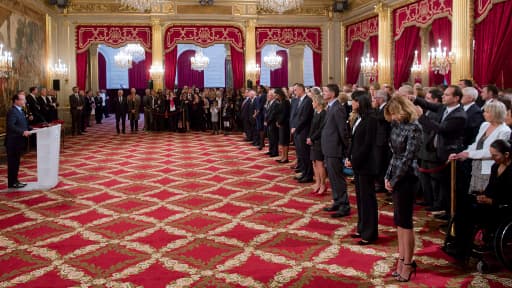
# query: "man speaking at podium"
[[15, 140]]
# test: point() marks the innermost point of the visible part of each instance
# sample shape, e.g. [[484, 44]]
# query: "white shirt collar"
[[466, 107]]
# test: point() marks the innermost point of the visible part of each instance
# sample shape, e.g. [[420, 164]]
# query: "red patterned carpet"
[[195, 210]]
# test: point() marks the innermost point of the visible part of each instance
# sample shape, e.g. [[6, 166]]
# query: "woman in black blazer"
[[315, 135], [283, 123], [362, 155]]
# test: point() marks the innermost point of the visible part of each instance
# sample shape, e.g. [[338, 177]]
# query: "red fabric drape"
[[186, 75], [404, 54], [493, 39], [374, 51], [149, 62], [317, 68], [81, 69], [441, 29], [238, 67], [102, 71], [137, 75], [279, 77], [354, 61], [170, 68]]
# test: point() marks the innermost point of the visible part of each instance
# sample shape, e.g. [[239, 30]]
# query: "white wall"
[[214, 74]]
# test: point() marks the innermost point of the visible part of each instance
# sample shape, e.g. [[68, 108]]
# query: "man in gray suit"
[[334, 146]]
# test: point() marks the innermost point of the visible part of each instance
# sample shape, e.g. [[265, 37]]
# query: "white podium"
[[48, 149]]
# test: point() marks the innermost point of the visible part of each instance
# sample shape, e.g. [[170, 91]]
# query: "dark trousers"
[[76, 120], [122, 118], [338, 183], [304, 155], [134, 125], [367, 211], [13, 164], [98, 114], [273, 139], [382, 158], [430, 184], [86, 117], [105, 109]]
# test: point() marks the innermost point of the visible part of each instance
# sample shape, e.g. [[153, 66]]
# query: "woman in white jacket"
[[492, 129]]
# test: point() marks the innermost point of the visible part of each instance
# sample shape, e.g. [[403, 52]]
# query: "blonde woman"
[[401, 179], [315, 134]]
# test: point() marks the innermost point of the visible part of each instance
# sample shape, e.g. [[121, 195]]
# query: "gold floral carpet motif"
[[196, 210]]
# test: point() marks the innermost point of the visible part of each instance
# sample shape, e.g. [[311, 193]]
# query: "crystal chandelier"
[[59, 70], [141, 5], [123, 60], [280, 6], [440, 60], [253, 71], [199, 62], [136, 51], [416, 68], [273, 61], [5, 62], [368, 67]]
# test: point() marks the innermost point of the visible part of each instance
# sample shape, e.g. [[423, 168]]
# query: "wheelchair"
[[497, 242]]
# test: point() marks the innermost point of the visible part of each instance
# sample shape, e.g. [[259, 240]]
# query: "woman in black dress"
[[401, 179], [283, 123], [315, 134], [362, 154]]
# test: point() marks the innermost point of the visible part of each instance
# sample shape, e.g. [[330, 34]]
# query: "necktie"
[[445, 114]]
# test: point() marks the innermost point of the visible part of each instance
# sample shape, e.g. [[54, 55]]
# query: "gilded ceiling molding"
[[303, 11], [116, 8], [22, 8]]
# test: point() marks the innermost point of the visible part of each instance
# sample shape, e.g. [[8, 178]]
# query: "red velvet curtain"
[[149, 62], [441, 29], [186, 75], [170, 68], [238, 67], [137, 77], [493, 41], [81, 69], [317, 68], [102, 71], [374, 51], [404, 54], [354, 61], [279, 77]]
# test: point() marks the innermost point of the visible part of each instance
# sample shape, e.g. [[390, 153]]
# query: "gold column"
[[462, 32], [93, 54], [343, 51], [157, 53], [385, 42], [48, 51], [296, 64], [250, 45]]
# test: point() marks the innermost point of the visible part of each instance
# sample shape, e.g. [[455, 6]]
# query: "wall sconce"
[[156, 72]]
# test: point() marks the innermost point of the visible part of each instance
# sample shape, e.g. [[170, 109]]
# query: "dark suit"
[[475, 118], [44, 108], [98, 110], [383, 153], [76, 105], [449, 139], [304, 115], [362, 152], [15, 142], [334, 147], [34, 109], [284, 123], [273, 131], [120, 109], [246, 120], [315, 135]]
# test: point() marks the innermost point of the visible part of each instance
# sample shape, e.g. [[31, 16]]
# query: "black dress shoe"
[[273, 155], [17, 186], [306, 180], [23, 184], [297, 170], [260, 148], [331, 208], [355, 235], [340, 214], [298, 177], [363, 242]]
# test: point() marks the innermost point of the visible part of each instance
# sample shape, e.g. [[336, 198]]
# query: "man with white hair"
[[474, 114]]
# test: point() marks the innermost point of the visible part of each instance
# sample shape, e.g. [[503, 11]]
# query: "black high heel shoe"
[[413, 270], [396, 274]]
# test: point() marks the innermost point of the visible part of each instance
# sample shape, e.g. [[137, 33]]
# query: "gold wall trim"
[[23, 9], [197, 9]]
